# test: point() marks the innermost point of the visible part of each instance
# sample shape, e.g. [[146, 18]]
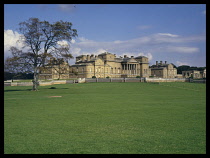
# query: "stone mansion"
[[108, 65]]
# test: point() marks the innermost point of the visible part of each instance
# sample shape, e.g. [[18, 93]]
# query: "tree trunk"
[[35, 81]]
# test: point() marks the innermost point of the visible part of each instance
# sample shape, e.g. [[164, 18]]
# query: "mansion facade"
[[107, 65], [101, 66]]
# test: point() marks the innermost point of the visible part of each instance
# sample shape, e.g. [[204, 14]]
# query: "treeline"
[[20, 75], [188, 68]]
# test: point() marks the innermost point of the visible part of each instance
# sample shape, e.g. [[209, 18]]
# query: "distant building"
[[108, 65], [59, 70], [194, 73], [203, 73], [101, 66], [179, 76], [163, 70]]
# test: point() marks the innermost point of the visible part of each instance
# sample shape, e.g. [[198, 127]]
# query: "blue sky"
[[169, 32]]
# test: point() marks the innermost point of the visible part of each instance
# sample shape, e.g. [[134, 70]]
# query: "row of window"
[[112, 70]]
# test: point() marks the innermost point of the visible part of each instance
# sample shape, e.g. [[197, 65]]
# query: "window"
[[90, 69]]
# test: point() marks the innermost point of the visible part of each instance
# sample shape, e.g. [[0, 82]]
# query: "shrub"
[[137, 76], [52, 88], [107, 77], [93, 76]]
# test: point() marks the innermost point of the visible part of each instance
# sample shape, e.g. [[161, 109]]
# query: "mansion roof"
[[106, 56]]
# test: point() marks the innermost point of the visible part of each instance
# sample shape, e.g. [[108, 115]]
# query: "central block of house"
[[108, 65]]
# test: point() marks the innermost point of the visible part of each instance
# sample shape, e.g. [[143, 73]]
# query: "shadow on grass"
[[12, 90], [56, 88]]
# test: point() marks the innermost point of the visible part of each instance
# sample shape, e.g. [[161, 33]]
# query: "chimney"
[[91, 56], [161, 62], [156, 63], [83, 58], [165, 62], [125, 56], [88, 57]]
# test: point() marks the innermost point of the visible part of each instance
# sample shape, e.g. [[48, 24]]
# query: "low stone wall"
[[21, 84], [81, 80], [198, 81], [135, 79], [89, 80], [104, 80], [45, 83], [70, 81], [166, 79], [40, 83], [59, 82], [7, 84]]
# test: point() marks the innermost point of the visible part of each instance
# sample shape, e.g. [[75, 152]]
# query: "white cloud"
[[118, 42], [62, 43], [165, 42], [168, 34], [73, 41], [148, 55], [83, 39], [153, 46], [179, 63], [11, 39], [99, 51], [177, 49], [76, 51]]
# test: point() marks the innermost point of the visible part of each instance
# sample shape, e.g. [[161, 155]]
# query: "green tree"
[[11, 65], [182, 68], [41, 38]]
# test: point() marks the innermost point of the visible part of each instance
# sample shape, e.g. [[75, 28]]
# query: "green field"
[[106, 118]]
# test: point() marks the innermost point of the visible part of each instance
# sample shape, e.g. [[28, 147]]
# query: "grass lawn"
[[106, 118]]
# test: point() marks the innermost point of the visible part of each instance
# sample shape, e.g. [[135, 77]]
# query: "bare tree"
[[41, 38], [59, 65]]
